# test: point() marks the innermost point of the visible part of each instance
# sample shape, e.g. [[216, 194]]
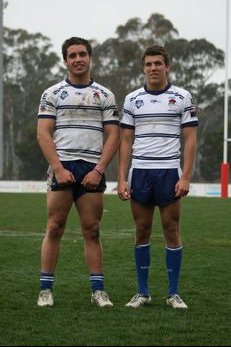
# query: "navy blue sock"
[[142, 260], [96, 282], [46, 280], [173, 264]]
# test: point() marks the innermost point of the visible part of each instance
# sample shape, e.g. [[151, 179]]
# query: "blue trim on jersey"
[[72, 126], [147, 115], [99, 89], [115, 122], [139, 157], [50, 104], [127, 126], [170, 92], [127, 112], [190, 124], [112, 107], [157, 92], [78, 150], [189, 108], [46, 116], [78, 107], [158, 135], [79, 85]]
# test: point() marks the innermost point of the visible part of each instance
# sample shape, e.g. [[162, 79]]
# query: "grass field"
[[73, 321]]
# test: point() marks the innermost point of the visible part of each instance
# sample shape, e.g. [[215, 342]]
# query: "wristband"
[[99, 172]]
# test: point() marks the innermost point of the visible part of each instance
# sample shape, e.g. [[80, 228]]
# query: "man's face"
[[78, 60], [156, 71]]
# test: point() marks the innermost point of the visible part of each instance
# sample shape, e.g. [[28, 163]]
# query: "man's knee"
[[55, 229], [91, 232]]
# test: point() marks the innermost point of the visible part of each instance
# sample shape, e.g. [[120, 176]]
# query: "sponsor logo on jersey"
[[154, 101]]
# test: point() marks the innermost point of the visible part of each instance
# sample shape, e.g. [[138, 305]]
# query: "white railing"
[[196, 189]]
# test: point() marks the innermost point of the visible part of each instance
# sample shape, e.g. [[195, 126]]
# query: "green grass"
[[73, 321]]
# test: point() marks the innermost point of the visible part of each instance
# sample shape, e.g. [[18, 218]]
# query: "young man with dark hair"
[[73, 117], [154, 118]]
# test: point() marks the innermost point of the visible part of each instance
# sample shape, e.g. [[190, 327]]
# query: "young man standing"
[[154, 119], [73, 117]]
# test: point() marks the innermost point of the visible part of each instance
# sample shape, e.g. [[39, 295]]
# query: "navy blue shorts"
[[79, 169], [154, 187]]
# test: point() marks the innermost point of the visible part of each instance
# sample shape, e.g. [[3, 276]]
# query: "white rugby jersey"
[[80, 113], [157, 118]]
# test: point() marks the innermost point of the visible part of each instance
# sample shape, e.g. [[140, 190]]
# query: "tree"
[[117, 61], [211, 136], [30, 67], [117, 64], [193, 64]]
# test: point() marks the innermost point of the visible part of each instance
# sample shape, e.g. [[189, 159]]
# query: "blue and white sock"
[[46, 280], [96, 282], [142, 260], [173, 264]]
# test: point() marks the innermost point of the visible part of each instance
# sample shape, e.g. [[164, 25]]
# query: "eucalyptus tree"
[[29, 67], [193, 63], [117, 61]]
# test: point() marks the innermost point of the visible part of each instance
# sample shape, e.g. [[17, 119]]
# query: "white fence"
[[196, 189]]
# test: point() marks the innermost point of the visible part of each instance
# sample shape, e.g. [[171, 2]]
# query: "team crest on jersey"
[[101, 91], [139, 103], [96, 96], [63, 95], [171, 103]]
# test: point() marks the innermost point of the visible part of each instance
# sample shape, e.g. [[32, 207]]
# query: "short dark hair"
[[75, 41], [157, 50]]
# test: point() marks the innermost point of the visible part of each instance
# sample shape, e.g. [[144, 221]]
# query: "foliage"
[[117, 61], [31, 66], [193, 64], [117, 64], [211, 139]]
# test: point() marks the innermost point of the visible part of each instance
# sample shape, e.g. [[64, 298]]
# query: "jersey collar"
[[79, 85], [157, 92]]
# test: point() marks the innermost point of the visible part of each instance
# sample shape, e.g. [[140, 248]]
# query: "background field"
[[73, 321]]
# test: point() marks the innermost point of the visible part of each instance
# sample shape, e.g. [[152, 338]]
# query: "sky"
[[98, 19]]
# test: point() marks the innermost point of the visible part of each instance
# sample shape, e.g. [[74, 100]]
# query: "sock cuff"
[[174, 249], [142, 246]]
